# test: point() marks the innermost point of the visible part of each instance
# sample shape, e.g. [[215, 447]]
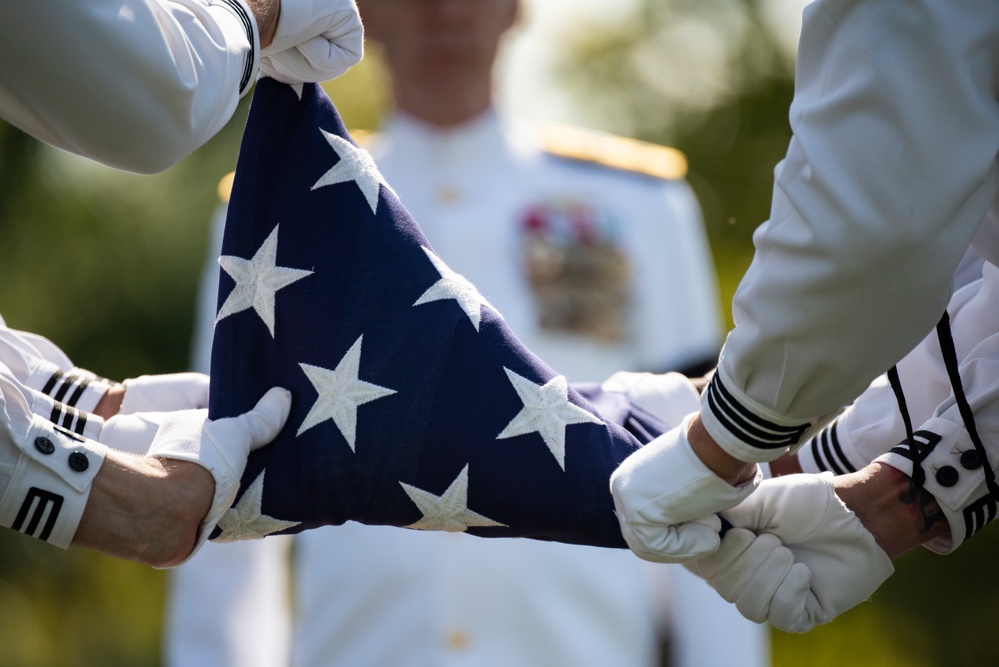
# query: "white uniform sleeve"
[[135, 84], [42, 367], [889, 174], [46, 471], [873, 423]]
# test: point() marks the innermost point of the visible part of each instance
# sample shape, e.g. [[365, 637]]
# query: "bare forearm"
[[145, 509], [899, 517]]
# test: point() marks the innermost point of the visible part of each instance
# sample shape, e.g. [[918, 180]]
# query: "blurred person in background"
[[592, 246]]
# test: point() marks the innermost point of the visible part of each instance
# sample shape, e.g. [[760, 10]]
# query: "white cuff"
[[953, 475], [48, 491]]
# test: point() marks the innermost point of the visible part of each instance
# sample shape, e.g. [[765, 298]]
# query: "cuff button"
[[947, 476], [44, 445], [78, 461], [970, 460]]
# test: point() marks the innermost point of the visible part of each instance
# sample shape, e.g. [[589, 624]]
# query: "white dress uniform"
[[888, 177], [490, 200], [149, 95]]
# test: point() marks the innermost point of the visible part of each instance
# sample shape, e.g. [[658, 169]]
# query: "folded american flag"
[[413, 403]]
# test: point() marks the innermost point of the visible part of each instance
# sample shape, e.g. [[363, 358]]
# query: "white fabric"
[[43, 490], [35, 478], [888, 176], [837, 563], [316, 40], [666, 499], [379, 596], [669, 396], [137, 84], [220, 446], [872, 425], [163, 393]]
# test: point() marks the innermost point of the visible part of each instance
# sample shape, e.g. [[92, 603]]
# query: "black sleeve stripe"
[[823, 438], [751, 429], [75, 398], [247, 22], [50, 385]]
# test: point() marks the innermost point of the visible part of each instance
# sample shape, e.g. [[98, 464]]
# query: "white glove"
[[221, 446], [837, 563], [668, 396], [666, 500], [316, 40], [131, 433], [164, 393]]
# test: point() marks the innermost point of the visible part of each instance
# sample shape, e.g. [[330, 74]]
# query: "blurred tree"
[[709, 77]]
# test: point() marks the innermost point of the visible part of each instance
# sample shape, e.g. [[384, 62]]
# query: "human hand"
[[221, 447], [315, 40], [667, 499], [164, 393], [811, 560]]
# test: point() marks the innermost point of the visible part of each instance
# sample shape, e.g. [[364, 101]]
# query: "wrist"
[[145, 509], [898, 516], [723, 464]]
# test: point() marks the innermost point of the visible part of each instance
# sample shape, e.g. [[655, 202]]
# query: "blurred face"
[[439, 46]]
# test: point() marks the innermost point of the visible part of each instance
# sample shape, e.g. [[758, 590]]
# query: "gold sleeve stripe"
[[613, 151]]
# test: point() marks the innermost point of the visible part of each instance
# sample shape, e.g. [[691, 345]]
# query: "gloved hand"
[[132, 433], [221, 446], [668, 396], [316, 40], [666, 500], [812, 560], [164, 393]]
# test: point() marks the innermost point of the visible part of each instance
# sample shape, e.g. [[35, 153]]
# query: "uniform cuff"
[[743, 428], [953, 475], [48, 490], [77, 388], [248, 25]]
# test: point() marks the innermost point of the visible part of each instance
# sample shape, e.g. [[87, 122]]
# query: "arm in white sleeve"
[[888, 176], [42, 367], [135, 84], [46, 471], [873, 424]]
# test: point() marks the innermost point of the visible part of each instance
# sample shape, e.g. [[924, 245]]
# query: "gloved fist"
[[666, 500], [164, 393], [811, 561], [221, 446], [316, 40]]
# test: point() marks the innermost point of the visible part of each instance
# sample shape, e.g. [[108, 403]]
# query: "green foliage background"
[[106, 264]]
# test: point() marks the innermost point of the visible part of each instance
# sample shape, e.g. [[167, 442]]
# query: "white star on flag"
[[449, 511], [355, 165], [546, 410], [243, 521], [455, 286], [340, 393], [257, 281]]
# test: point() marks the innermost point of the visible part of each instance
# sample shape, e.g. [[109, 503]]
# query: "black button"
[[78, 461], [947, 476], [44, 445], [970, 460]]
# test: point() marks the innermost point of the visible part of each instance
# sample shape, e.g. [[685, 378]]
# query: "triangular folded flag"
[[413, 403]]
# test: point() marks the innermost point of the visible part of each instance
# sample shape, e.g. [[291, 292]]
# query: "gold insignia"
[[609, 150]]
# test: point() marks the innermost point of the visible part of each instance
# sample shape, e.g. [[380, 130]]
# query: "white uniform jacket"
[[888, 176], [384, 597]]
